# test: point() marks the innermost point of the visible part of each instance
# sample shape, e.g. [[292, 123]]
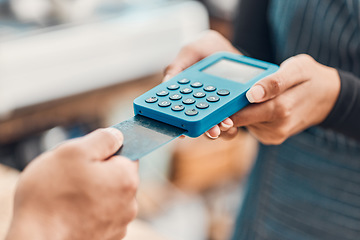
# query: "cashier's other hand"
[[207, 43], [299, 95], [77, 191]]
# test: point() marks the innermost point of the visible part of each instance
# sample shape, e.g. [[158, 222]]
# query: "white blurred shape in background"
[[52, 137], [61, 61], [75, 10], [39, 11], [32, 10]]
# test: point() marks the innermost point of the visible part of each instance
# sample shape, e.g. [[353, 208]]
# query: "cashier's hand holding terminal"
[[300, 94], [79, 190], [208, 43]]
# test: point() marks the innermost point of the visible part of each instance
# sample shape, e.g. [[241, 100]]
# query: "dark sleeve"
[[345, 116], [251, 29]]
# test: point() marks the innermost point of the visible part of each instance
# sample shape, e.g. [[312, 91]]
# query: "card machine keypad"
[[190, 103]]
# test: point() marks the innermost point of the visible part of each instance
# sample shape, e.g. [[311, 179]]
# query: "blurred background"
[[68, 67]]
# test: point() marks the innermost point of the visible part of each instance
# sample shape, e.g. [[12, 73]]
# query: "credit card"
[[143, 135]]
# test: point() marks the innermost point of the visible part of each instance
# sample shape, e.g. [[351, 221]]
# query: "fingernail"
[[229, 122], [225, 125], [167, 77], [119, 136], [211, 137], [255, 94]]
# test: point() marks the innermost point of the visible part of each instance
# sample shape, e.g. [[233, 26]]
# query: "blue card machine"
[[204, 94], [191, 102]]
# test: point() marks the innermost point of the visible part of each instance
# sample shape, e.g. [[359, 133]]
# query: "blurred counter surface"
[[52, 75]]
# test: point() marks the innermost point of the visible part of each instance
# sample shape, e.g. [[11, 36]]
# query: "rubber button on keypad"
[[213, 99], [199, 94], [191, 112], [151, 100], [209, 88], [196, 84], [223, 92], [175, 97], [188, 101], [178, 108], [164, 103], [184, 81], [186, 90], [173, 87], [162, 93], [202, 105]]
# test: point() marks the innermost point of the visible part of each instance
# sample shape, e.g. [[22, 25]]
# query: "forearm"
[[345, 116]]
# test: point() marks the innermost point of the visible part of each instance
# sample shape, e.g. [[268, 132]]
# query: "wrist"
[[334, 86], [326, 83], [31, 226]]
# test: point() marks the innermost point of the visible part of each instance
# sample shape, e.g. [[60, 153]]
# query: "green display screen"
[[233, 70]]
